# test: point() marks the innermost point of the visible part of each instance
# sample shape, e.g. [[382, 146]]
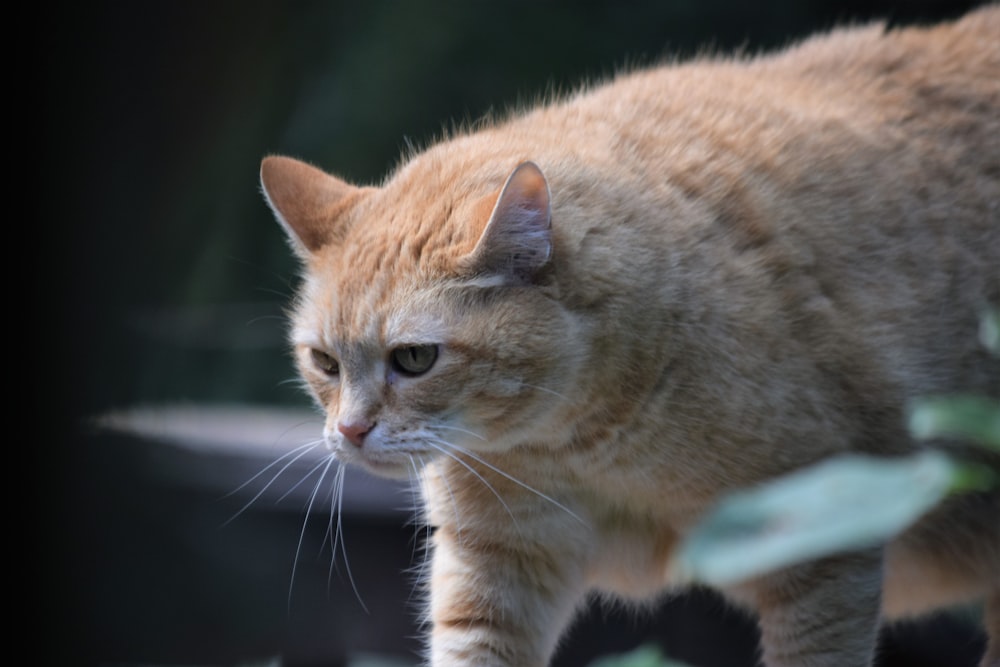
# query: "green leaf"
[[644, 656], [843, 504], [975, 418], [989, 331]]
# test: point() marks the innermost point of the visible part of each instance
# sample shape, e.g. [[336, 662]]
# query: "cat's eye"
[[414, 359], [325, 363]]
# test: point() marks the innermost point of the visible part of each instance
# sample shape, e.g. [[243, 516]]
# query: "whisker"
[[262, 318], [500, 472], [306, 446], [329, 525], [454, 506], [332, 533], [299, 453], [547, 391], [274, 292], [422, 569], [458, 460], [343, 547], [461, 430], [416, 527], [305, 522], [326, 460]]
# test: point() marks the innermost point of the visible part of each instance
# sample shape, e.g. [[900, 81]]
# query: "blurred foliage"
[[644, 656], [846, 503], [974, 418]]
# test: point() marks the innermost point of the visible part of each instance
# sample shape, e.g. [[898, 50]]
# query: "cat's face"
[[420, 353]]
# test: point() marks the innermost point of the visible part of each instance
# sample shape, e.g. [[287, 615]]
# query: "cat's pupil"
[[325, 363], [414, 359]]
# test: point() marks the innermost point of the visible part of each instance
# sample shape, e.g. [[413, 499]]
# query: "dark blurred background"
[[158, 280]]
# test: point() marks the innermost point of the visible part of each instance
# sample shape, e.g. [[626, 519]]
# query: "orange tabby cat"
[[585, 323]]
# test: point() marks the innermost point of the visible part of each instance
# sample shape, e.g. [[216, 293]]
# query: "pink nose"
[[356, 431]]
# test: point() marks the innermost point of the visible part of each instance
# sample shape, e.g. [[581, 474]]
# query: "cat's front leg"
[[499, 600], [821, 614]]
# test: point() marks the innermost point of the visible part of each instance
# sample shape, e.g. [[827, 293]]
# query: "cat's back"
[[819, 141], [866, 76], [827, 218], [851, 183], [843, 194], [921, 99]]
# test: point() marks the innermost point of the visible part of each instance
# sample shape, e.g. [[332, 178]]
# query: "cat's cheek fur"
[[522, 361]]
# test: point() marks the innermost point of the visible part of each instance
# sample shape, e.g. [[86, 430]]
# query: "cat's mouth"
[[383, 463], [402, 456]]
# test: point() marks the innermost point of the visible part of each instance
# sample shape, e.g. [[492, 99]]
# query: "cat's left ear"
[[307, 201], [517, 240]]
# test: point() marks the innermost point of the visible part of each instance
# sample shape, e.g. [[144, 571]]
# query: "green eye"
[[325, 363], [414, 359]]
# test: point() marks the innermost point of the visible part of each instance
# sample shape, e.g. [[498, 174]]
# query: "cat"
[[584, 323]]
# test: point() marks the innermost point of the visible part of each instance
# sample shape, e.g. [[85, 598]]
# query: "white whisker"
[[307, 446], [298, 452], [326, 460], [458, 460], [454, 506], [413, 474], [461, 430], [422, 569], [343, 547], [547, 391], [328, 536], [331, 529], [500, 472], [305, 522]]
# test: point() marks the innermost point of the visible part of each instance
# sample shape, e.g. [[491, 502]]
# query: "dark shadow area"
[[155, 569]]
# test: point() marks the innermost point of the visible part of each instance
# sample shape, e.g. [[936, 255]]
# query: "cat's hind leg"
[[820, 614]]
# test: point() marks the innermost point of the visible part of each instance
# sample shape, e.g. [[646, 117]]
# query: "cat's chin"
[[381, 464], [387, 469]]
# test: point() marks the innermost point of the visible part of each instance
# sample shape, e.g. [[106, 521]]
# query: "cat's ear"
[[516, 242], [306, 201]]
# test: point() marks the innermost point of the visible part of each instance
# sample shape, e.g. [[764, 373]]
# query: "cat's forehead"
[[389, 275], [423, 220], [335, 312]]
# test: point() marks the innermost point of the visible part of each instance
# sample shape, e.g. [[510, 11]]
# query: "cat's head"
[[423, 324]]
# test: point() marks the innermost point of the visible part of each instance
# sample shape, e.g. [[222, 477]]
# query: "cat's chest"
[[632, 557]]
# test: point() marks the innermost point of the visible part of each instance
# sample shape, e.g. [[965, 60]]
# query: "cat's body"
[[751, 265]]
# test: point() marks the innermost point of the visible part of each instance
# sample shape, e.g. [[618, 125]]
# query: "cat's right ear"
[[306, 201], [516, 242]]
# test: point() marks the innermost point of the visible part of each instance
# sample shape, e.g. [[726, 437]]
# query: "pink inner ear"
[[517, 240], [528, 184]]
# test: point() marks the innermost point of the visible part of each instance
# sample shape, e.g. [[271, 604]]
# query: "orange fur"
[[684, 282]]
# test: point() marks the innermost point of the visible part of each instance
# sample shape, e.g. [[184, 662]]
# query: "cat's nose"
[[355, 431]]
